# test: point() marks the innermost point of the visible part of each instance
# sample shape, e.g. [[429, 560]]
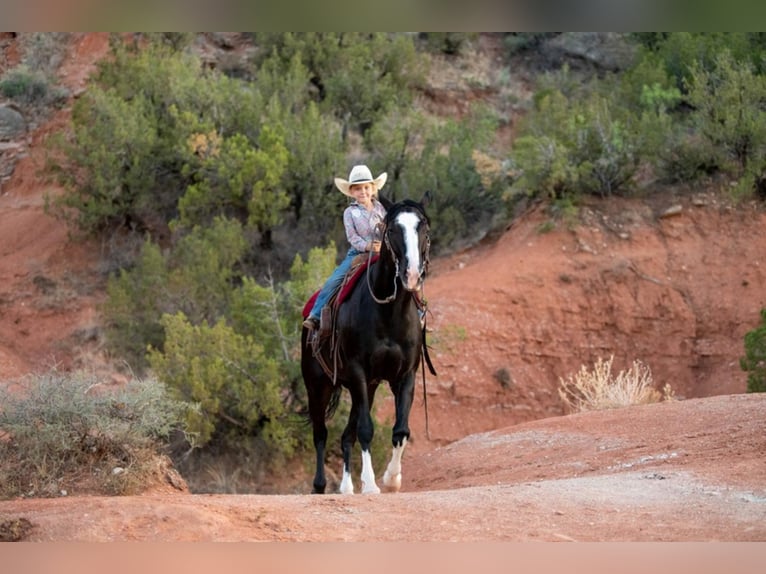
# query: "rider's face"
[[363, 192]]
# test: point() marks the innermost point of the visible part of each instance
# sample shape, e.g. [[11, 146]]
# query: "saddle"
[[324, 342], [358, 266]]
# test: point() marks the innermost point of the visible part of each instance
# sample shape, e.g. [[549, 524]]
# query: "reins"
[[369, 265], [424, 357]]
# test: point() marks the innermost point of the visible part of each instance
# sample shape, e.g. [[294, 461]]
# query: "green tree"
[[197, 278], [244, 372], [314, 140], [229, 376], [729, 113], [441, 157], [111, 162], [204, 269], [754, 361], [134, 302], [358, 77], [135, 140], [271, 311], [679, 52], [240, 181], [587, 144]]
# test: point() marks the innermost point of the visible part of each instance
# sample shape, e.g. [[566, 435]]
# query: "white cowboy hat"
[[360, 174]]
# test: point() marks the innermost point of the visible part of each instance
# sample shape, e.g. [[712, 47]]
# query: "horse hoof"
[[373, 490], [392, 482], [346, 486]]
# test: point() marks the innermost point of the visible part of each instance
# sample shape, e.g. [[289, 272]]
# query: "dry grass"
[[598, 389], [71, 433]]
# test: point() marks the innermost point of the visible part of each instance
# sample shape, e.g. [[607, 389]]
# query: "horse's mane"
[[394, 209]]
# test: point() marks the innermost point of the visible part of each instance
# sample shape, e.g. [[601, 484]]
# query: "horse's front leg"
[[366, 431], [360, 421], [403, 396], [347, 441], [392, 478]]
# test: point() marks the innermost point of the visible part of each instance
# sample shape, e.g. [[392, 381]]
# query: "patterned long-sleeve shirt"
[[360, 224]]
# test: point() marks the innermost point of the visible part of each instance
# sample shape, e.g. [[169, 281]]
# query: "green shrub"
[[22, 84], [442, 157], [197, 278], [451, 43], [679, 52], [32, 84], [591, 142], [688, 158], [729, 114], [754, 361], [66, 432], [516, 42], [237, 387], [358, 77], [30, 89]]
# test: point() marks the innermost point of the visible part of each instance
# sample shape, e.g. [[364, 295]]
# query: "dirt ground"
[[500, 461], [680, 471]]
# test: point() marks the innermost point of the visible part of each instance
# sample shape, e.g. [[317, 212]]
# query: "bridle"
[[424, 255], [387, 241]]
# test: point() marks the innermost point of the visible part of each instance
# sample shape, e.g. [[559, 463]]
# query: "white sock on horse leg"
[[368, 475], [392, 478]]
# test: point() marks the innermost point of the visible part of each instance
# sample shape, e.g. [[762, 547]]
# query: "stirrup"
[[325, 323]]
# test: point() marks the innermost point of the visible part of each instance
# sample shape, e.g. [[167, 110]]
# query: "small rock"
[[14, 529], [672, 210]]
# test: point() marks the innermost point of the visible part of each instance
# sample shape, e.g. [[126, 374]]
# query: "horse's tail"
[[332, 404]]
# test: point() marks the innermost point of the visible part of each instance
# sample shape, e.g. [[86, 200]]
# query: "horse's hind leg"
[[319, 396], [347, 441], [359, 425]]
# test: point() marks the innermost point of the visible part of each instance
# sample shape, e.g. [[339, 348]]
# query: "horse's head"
[[407, 238]]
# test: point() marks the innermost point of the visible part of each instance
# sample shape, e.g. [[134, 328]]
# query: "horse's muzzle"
[[413, 279]]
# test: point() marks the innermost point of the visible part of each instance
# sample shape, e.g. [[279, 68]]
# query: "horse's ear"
[[427, 198], [387, 203]]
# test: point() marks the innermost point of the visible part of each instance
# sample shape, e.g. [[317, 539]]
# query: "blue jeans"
[[332, 283]]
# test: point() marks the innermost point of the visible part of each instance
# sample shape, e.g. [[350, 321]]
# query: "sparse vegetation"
[[447, 337], [173, 152], [754, 361], [503, 376], [62, 432], [597, 389], [31, 89], [32, 83]]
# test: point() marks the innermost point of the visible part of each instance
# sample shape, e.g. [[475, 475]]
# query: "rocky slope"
[[674, 280]]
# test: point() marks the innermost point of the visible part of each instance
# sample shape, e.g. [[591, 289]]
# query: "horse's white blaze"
[[368, 475], [346, 484], [392, 478], [409, 223]]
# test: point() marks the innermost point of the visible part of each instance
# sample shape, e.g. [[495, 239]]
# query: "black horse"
[[380, 338]]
